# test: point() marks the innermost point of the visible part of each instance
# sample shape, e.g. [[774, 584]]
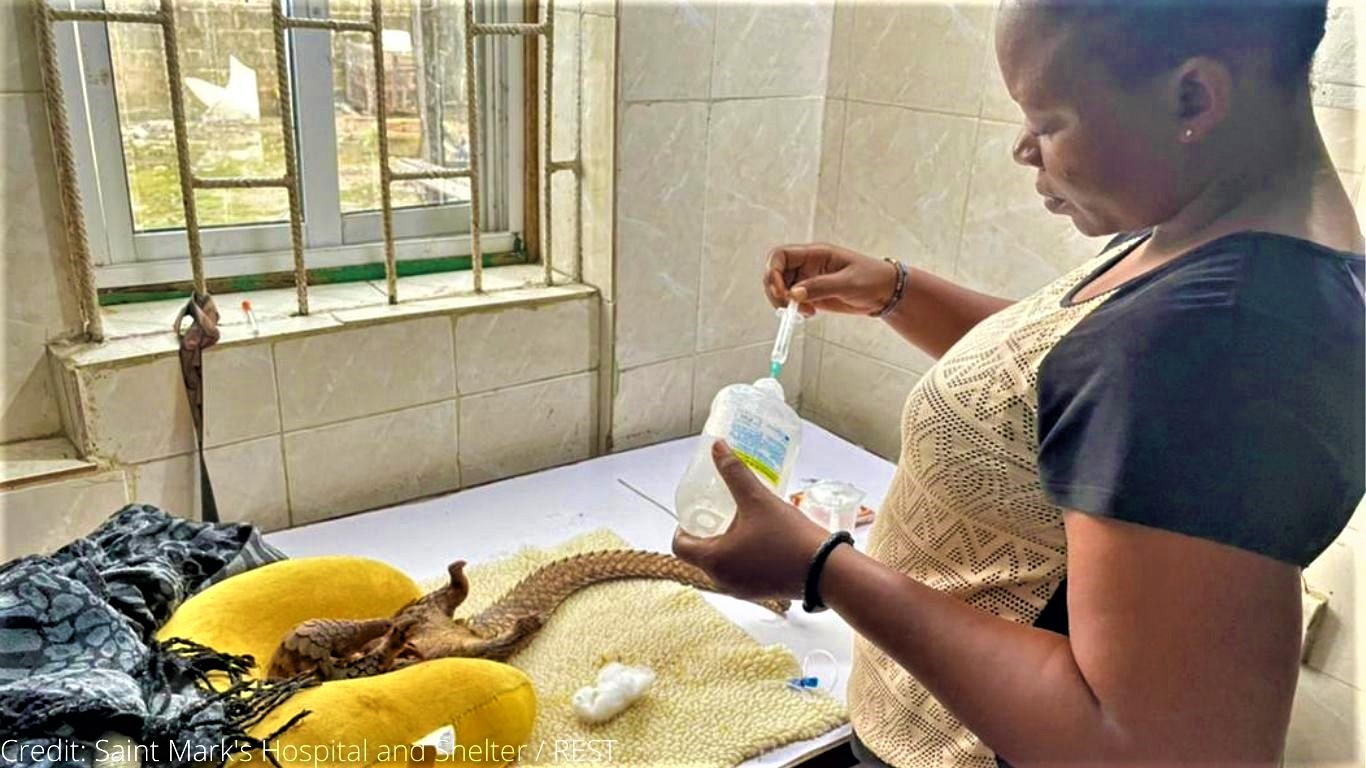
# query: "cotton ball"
[[617, 688]]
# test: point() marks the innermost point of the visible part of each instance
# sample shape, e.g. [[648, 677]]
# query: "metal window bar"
[[165, 18]]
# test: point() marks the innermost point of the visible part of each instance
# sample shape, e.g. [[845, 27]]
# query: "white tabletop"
[[630, 493]]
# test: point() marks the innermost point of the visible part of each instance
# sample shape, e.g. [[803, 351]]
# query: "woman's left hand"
[[767, 549]]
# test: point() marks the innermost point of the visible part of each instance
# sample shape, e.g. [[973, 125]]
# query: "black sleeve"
[[1195, 412]]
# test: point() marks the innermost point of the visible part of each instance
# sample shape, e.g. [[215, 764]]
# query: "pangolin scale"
[[424, 630]]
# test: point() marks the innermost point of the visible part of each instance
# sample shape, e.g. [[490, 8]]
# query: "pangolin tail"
[[543, 591]]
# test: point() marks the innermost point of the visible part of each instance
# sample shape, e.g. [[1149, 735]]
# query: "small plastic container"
[[832, 504]]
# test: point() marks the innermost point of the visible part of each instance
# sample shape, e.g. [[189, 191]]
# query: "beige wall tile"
[[812, 350], [877, 340], [171, 485], [34, 288], [925, 54], [1338, 95], [66, 393], [371, 462], [1336, 60], [814, 326], [338, 376], [841, 49], [249, 482], [827, 188], [565, 126], [1340, 572], [666, 49], [606, 381], [565, 232], [659, 230], [762, 166], [513, 346], [606, 8], [513, 431], [1327, 725], [1342, 131], [28, 396], [653, 403], [42, 518], [599, 149], [1360, 202], [860, 399], [137, 413], [1012, 245], [903, 183], [742, 365], [772, 49], [1350, 182], [240, 401], [18, 53], [996, 101]]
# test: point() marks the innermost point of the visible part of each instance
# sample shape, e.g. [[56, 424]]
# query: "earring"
[[1190, 132]]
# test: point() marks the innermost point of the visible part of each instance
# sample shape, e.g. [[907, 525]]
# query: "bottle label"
[[762, 447]]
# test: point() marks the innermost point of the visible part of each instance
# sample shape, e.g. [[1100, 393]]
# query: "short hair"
[[1137, 39]]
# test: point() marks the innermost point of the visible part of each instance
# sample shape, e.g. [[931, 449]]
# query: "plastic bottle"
[[762, 430]]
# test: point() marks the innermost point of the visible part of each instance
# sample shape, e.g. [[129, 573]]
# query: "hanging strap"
[[202, 334]]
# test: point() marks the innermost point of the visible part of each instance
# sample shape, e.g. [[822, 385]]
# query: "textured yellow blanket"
[[719, 698]]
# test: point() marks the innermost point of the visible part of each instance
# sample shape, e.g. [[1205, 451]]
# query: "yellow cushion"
[[374, 720], [369, 721], [252, 612]]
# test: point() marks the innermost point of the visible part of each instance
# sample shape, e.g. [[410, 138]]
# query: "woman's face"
[[1107, 157]]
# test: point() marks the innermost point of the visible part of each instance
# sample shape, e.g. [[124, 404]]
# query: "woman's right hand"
[[828, 278]]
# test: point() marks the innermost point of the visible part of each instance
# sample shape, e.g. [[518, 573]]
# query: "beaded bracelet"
[[901, 273], [811, 598]]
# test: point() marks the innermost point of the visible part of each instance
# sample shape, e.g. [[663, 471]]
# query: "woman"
[[1091, 551]]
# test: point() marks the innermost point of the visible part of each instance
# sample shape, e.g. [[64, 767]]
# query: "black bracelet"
[[900, 288], [811, 600]]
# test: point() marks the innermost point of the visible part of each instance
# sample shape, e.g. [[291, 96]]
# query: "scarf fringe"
[[222, 716]]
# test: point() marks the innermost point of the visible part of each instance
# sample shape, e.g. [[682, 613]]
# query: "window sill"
[[136, 332]]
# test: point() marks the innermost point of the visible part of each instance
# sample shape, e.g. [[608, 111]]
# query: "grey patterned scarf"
[[79, 658]]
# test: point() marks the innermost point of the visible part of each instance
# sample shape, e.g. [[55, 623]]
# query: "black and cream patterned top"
[[1219, 396]]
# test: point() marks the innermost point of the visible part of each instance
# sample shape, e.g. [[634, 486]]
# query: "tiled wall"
[[916, 165], [35, 299], [1328, 725], [357, 416], [913, 127], [719, 127], [361, 407]]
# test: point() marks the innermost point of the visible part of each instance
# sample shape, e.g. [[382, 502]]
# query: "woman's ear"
[[1201, 94]]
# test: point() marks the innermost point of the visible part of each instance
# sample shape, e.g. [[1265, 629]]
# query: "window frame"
[[123, 257]]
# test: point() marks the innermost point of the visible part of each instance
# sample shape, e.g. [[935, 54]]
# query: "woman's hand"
[[767, 549], [828, 278]]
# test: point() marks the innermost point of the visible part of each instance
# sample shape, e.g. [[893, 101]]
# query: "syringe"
[[788, 318]]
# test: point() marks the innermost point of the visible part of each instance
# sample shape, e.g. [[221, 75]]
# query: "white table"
[[630, 493]]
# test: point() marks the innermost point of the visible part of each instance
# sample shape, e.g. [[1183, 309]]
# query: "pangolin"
[[424, 629]]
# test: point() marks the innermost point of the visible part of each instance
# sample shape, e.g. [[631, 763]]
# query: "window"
[[125, 148]]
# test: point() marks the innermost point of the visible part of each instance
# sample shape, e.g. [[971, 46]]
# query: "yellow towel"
[[719, 698]]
